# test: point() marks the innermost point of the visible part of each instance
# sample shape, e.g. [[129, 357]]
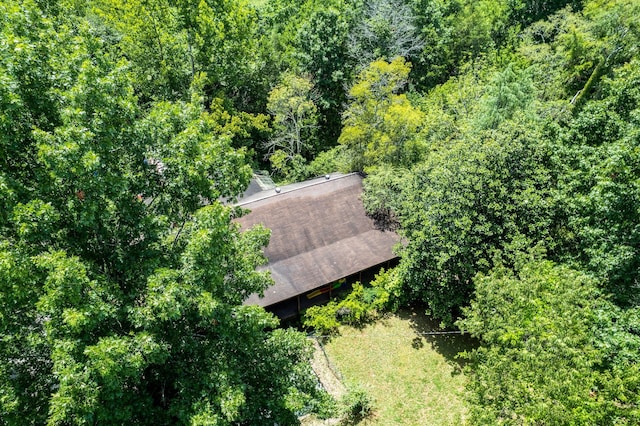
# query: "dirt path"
[[326, 373], [330, 382]]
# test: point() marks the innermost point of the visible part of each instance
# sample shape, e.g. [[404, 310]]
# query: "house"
[[321, 240]]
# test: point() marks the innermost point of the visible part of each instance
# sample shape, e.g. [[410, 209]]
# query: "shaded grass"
[[414, 379]]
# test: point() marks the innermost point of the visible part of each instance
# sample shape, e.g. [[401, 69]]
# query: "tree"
[[295, 116], [435, 62], [150, 35], [383, 194], [596, 156], [381, 125], [508, 92], [120, 292], [169, 44], [321, 52], [574, 51], [551, 349], [528, 11], [471, 199], [386, 31]]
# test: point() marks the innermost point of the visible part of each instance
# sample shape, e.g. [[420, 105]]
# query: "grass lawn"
[[414, 379]]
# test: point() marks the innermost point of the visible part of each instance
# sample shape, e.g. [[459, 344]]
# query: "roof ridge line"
[[240, 204]]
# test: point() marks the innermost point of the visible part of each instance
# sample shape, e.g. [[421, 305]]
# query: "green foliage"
[[435, 63], [151, 35], [457, 33], [321, 52], [120, 291], [382, 197], [598, 156], [170, 43], [295, 117], [309, 38], [466, 203], [120, 120], [288, 169], [508, 92], [480, 26], [335, 159], [542, 360], [352, 310], [360, 306], [528, 11], [385, 291], [526, 146], [381, 125], [357, 406], [572, 51], [322, 319]]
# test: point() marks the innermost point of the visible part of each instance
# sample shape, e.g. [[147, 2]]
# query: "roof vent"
[[327, 177], [278, 189]]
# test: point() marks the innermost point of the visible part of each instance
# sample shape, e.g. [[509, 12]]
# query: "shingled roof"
[[319, 234]]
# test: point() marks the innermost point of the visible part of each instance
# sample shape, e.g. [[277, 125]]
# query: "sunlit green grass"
[[414, 379]]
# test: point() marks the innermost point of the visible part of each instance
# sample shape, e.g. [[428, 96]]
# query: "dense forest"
[[500, 139]]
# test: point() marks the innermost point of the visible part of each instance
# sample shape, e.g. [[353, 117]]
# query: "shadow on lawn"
[[448, 345]]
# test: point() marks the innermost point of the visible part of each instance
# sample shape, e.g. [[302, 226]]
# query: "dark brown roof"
[[319, 234]]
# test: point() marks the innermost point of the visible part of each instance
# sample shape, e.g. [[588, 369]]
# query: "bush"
[[333, 160], [322, 319], [356, 309], [385, 291], [352, 310], [324, 407], [356, 405]]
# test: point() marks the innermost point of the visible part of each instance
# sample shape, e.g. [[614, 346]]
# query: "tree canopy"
[[122, 276], [500, 139]]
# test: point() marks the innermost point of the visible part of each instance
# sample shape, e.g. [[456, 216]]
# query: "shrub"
[[322, 319], [360, 306], [333, 160], [357, 405]]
